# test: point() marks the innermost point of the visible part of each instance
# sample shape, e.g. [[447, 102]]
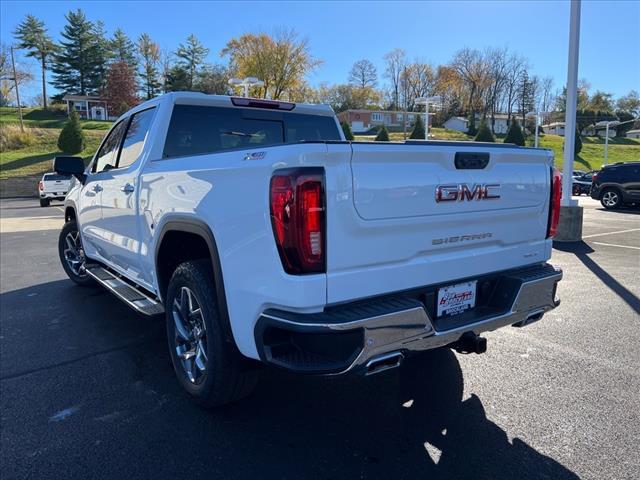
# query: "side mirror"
[[70, 166]]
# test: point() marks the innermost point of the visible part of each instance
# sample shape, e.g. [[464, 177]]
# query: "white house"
[[555, 128], [600, 128], [460, 124], [457, 123], [633, 134]]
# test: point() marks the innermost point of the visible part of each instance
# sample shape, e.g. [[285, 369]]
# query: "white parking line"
[[614, 245], [611, 233]]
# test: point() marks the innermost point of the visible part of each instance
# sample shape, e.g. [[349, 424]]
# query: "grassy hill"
[[590, 158], [23, 158]]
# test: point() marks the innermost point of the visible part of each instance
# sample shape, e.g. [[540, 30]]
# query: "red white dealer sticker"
[[457, 298]]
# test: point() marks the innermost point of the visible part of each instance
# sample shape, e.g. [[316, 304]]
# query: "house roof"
[[603, 124], [637, 130], [554, 124], [364, 110], [91, 98]]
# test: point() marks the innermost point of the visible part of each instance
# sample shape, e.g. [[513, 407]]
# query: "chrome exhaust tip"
[[384, 362]]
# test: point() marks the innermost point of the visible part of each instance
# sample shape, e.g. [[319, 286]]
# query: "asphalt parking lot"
[[88, 391]]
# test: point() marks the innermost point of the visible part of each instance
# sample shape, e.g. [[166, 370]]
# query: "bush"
[[346, 129], [71, 139], [418, 129], [514, 134], [383, 135], [12, 138], [484, 133]]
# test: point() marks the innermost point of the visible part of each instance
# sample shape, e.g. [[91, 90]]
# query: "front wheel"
[[208, 367], [71, 254], [610, 199]]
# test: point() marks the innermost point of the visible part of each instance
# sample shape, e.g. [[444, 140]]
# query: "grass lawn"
[[37, 117], [37, 158], [590, 158]]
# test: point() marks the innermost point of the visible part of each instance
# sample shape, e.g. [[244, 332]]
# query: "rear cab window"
[[196, 130], [52, 177]]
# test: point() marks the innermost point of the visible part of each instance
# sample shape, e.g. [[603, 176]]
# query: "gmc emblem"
[[461, 192]]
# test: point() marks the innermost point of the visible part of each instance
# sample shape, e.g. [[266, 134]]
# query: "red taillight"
[[554, 207], [40, 185], [594, 177], [298, 219]]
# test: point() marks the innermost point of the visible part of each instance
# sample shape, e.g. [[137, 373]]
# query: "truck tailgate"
[[396, 234]]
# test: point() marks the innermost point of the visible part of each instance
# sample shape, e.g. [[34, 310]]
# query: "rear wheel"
[[44, 202], [71, 254], [208, 367], [576, 190], [610, 198]]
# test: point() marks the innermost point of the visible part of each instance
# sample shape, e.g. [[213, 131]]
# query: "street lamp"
[[246, 83], [426, 101]]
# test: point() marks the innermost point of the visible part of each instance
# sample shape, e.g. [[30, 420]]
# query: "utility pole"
[[15, 79]]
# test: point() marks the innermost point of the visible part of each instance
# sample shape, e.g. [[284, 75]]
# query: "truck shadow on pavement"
[[582, 250], [410, 422]]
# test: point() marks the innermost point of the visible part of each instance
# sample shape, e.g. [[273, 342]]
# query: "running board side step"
[[132, 296]]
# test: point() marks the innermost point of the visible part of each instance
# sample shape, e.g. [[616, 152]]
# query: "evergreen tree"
[[122, 49], [514, 134], [177, 79], [213, 79], [484, 132], [190, 57], [104, 55], [150, 55], [79, 62], [383, 135], [346, 129], [472, 130], [578, 144], [32, 36], [418, 129], [71, 139]]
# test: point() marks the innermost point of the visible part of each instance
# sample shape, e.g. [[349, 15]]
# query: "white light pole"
[[535, 114], [572, 103], [246, 83], [426, 101]]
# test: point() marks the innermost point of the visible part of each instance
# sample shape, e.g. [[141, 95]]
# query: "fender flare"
[[188, 224]]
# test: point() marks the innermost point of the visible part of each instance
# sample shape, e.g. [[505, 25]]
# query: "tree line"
[[474, 83]]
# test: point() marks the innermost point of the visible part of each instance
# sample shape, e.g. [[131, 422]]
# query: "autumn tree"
[[191, 56], [281, 61], [33, 37], [149, 52], [395, 62], [7, 84], [120, 88], [363, 74]]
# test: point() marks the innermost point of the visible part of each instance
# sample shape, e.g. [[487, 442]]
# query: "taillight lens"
[[594, 177], [554, 207], [41, 185], [298, 219]]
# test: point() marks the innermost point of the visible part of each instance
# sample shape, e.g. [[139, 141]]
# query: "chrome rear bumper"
[[346, 338]]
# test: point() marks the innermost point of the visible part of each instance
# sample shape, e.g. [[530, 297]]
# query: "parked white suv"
[[53, 186], [264, 236]]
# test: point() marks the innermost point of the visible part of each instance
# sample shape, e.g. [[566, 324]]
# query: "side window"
[[135, 137], [107, 155]]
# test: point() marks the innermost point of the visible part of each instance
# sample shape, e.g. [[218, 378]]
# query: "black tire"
[[228, 375], [577, 191], [44, 202], [610, 198], [74, 273]]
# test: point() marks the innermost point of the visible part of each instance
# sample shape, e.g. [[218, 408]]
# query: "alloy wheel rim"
[[190, 336], [74, 253], [610, 199]]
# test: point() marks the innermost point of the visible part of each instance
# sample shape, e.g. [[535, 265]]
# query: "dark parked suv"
[[617, 184]]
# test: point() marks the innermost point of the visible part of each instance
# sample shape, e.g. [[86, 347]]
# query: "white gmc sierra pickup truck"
[[262, 234]]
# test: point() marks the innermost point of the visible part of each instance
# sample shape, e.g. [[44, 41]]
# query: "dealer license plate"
[[455, 299]]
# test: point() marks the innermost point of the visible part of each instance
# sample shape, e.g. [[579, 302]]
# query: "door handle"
[[97, 188], [127, 188]]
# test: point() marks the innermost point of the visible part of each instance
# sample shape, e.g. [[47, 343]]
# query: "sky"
[[340, 33]]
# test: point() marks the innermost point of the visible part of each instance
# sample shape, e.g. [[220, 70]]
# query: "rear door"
[[422, 214], [119, 200]]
